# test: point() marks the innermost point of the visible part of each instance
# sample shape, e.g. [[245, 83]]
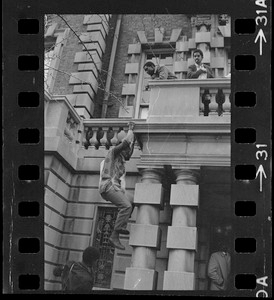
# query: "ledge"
[[210, 82]]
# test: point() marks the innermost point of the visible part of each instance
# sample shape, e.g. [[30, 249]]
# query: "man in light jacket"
[[112, 184], [219, 267]]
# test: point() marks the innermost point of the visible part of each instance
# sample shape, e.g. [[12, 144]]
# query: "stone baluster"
[[103, 140], [85, 139], [79, 135], [114, 141], [220, 100], [145, 235], [182, 235], [69, 131], [205, 101], [201, 105], [227, 103], [213, 105], [121, 134], [93, 140]]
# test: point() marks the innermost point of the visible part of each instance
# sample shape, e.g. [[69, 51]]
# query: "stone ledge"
[[182, 46], [148, 193], [203, 37], [88, 57], [132, 68], [83, 88], [129, 89], [145, 235], [185, 195], [140, 279], [181, 237], [180, 66], [98, 27], [134, 48], [179, 281], [84, 100], [217, 42], [84, 78]]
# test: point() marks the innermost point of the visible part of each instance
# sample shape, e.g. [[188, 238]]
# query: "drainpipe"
[[110, 68]]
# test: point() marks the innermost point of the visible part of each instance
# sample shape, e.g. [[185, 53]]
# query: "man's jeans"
[[124, 203]]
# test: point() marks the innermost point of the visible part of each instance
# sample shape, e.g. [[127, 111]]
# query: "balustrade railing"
[[103, 133], [189, 100], [175, 107], [215, 101]]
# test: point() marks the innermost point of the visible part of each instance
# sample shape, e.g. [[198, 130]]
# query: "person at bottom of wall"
[[78, 277], [112, 184], [219, 269]]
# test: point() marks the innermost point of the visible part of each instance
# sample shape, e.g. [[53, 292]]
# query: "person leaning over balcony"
[[199, 70], [112, 184], [158, 72]]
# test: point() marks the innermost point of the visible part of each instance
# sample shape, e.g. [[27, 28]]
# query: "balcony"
[[188, 123], [190, 101]]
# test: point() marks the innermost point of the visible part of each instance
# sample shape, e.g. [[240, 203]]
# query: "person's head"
[[198, 56], [149, 67], [126, 153], [90, 255], [57, 271], [223, 246]]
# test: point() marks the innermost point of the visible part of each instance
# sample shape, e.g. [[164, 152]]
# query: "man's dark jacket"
[[192, 72]]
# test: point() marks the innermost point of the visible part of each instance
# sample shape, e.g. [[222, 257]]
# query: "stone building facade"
[[180, 169]]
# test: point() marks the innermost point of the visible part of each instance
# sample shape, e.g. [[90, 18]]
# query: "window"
[[53, 45], [104, 226], [49, 56], [158, 57]]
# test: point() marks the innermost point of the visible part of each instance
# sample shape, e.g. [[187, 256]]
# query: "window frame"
[[159, 50], [58, 40]]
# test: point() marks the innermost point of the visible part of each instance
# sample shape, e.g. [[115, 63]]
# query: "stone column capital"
[[151, 175], [187, 176]]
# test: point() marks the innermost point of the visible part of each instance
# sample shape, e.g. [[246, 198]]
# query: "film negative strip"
[[207, 171]]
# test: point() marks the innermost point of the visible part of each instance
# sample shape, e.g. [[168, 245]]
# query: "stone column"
[[182, 235], [145, 234]]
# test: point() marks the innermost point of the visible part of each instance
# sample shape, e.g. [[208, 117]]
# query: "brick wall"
[[61, 86], [128, 35], [105, 65]]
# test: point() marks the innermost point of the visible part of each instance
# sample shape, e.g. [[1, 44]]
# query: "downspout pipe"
[[110, 68]]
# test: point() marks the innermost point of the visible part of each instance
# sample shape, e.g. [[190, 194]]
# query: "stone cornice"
[[204, 83], [205, 125], [183, 161], [63, 98]]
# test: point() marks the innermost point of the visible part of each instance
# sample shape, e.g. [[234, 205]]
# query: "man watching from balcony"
[[112, 184], [158, 72], [199, 70]]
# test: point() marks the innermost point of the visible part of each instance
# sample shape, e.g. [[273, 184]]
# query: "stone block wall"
[[131, 24], [97, 32], [68, 216]]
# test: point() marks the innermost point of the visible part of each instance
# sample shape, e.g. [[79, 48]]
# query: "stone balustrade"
[[64, 127], [189, 100], [215, 101], [104, 134]]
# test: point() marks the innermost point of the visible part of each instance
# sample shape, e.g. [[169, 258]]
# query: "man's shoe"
[[122, 231], [116, 243]]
